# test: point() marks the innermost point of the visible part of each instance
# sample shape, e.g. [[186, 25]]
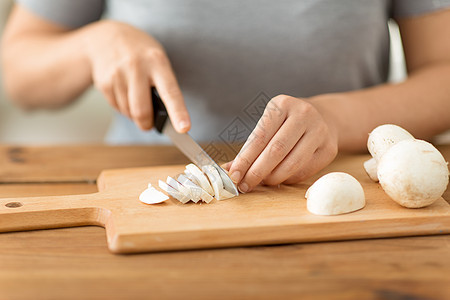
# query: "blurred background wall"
[[87, 119]]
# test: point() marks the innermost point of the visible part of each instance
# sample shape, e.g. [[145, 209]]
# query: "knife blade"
[[185, 143]]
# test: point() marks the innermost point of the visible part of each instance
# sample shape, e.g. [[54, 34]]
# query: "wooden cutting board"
[[268, 215]]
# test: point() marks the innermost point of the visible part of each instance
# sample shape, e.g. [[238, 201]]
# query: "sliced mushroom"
[[201, 178], [191, 177], [152, 196], [194, 190], [197, 193], [224, 194], [181, 188], [195, 185], [216, 181], [173, 192], [205, 197]]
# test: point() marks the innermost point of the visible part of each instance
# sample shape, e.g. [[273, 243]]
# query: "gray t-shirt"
[[231, 57]]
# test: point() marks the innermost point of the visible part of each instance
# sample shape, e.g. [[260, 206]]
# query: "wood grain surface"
[[268, 215], [57, 264], [84, 163]]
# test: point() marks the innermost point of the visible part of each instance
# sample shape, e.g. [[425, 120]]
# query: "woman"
[[323, 62]]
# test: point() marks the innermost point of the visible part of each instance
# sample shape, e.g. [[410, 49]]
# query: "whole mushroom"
[[413, 173], [371, 166], [381, 139]]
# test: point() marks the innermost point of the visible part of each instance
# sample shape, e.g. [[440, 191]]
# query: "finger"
[[318, 161], [120, 92], [266, 128], [277, 149], [226, 166], [296, 162], [140, 104], [167, 86], [108, 92]]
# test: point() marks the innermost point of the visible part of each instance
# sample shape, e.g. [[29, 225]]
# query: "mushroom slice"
[[201, 178], [194, 190], [224, 194], [371, 169], [152, 196], [179, 187], [205, 197], [173, 192], [335, 193], [216, 181], [191, 177]]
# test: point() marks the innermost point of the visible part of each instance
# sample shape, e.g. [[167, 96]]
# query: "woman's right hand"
[[125, 64]]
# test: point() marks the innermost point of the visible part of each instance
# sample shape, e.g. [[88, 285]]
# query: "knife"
[[185, 143]]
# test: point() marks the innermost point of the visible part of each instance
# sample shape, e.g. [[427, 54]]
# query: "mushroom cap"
[[335, 193], [384, 137], [152, 196], [413, 173]]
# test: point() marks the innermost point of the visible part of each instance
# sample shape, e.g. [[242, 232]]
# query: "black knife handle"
[[160, 114]]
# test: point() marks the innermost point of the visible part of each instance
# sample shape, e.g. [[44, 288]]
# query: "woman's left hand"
[[291, 142]]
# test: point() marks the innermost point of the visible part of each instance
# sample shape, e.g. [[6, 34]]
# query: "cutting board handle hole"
[[13, 204]]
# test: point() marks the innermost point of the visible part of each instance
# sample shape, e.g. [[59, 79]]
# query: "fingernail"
[[182, 125], [146, 125], [243, 187], [235, 176]]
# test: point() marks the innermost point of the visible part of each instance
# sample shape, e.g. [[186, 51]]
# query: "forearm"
[[420, 104], [46, 70]]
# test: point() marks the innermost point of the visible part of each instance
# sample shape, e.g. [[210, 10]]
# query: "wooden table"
[[74, 263]]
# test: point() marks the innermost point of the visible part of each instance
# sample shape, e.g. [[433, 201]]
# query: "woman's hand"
[[125, 63], [291, 142]]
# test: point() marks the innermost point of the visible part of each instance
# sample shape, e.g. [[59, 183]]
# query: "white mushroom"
[[335, 193], [196, 191], [371, 169], [384, 137], [216, 181], [413, 173], [180, 188], [381, 139], [207, 198], [191, 177], [201, 178], [195, 185], [152, 196], [173, 192]]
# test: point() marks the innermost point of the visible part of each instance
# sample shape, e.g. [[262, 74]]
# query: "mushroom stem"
[[370, 166]]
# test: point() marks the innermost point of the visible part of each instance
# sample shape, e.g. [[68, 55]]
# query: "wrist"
[[326, 105]]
